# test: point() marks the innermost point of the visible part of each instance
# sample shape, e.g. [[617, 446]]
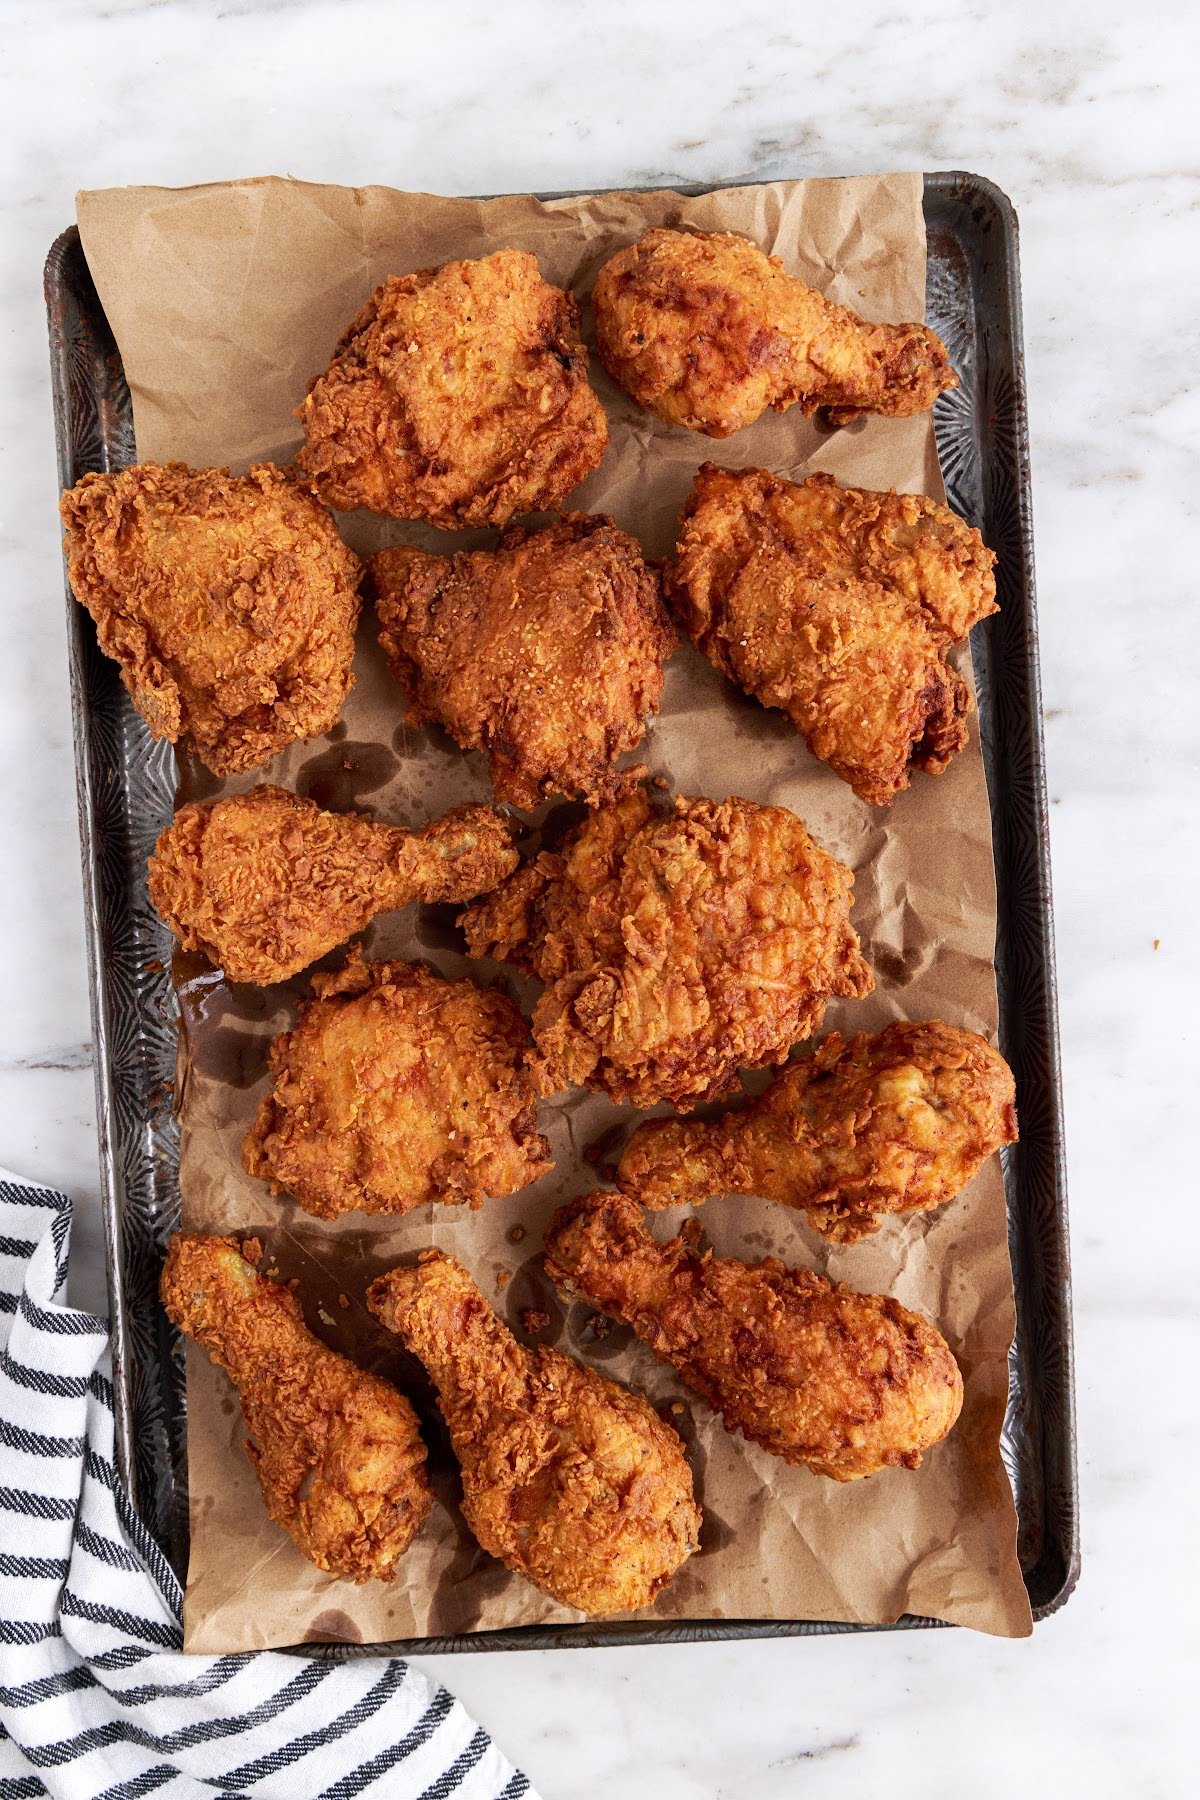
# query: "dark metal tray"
[[126, 786]]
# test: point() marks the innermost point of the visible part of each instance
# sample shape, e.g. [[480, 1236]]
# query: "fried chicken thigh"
[[265, 883], [838, 606], [897, 1122], [397, 1088], [546, 654], [845, 1383], [229, 601], [572, 1481], [459, 395], [706, 331], [677, 947], [338, 1453]]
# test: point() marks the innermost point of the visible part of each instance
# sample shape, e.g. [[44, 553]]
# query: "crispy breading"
[[546, 654], [837, 605], [897, 1122], [842, 1382], [458, 395], [229, 601], [572, 1481], [337, 1452], [265, 883], [706, 331], [678, 947], [396, 1088]]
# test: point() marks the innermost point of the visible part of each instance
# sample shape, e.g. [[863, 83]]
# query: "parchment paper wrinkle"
[[225, 301]]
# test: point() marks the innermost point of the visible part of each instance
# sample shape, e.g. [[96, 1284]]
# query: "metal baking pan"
[[126, 786]]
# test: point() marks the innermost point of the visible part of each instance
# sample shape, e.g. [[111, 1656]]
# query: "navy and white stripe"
[[96, 1701]]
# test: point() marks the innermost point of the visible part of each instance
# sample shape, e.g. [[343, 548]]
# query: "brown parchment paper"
[[224, 301]]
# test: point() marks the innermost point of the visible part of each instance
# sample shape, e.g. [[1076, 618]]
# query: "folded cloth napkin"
[[96, 1703]]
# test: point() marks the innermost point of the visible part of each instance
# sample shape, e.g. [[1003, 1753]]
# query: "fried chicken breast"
[[265, 883], [546, 654], [458, 395], [896, 1122], [572, 1481], [337, 1452], [396, 1088], [706, 331], [838, 606], [229, 602], [844, 1383], [677, 947]]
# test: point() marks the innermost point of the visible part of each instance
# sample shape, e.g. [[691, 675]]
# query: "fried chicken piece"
[[397, 1088], [706, 331], [678, 947], [458, 395], [337, 1452], [897, 1122], [572, 1481], [229, 601], [838, 606], [846, 1383], [265, 883], [546, 654]]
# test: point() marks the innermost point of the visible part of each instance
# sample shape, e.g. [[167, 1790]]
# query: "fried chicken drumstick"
[[572, 1481], [897, 1122], [838, 606], [458, 395], [397, 1088], [337, 1452], [706, 331], [546, 654], [229, 601], [677, 947], [845, 1383], [265, 883]]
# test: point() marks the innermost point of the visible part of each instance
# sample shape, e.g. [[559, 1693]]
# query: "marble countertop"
[[1085, 115]]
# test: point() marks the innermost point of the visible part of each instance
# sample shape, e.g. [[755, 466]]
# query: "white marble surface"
[[1086, 115]]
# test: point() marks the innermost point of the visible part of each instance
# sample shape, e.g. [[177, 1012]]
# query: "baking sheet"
[[887, 882]]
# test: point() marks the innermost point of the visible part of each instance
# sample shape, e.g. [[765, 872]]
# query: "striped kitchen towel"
[[96, 1702]]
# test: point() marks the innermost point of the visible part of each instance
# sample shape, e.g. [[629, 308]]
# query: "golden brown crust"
[[229, 602], [706, 331], [845, 1383], [569, 1479], [837, 605], [337, 1452], [677, 947], [458, 395], [265, 883], [896, 1122], [546, 654], [394, 1089]]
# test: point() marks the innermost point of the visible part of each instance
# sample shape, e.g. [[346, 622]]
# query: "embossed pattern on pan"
[[125, 789]]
